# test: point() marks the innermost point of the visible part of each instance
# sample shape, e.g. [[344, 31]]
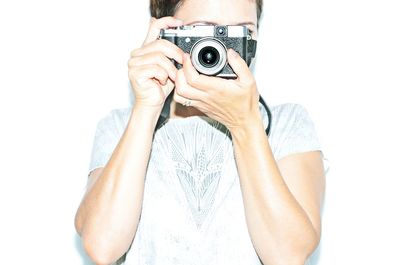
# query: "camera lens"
[[208, 56]]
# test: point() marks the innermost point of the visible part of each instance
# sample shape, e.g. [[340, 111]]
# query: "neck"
[[178, 111]]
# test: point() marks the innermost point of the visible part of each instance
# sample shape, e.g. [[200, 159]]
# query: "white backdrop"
[[63, 65]]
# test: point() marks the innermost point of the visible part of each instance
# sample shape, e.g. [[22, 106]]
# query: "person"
[[207, 185]]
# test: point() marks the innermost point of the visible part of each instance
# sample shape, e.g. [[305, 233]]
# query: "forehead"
[[218, 11]]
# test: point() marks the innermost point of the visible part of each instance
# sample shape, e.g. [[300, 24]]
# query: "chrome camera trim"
[[205, 31]]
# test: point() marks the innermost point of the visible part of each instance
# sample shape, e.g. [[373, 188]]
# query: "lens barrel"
[[208, 56]]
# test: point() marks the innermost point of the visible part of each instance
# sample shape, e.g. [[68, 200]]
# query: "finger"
[[155, 58], [182, 88], [181, 100], [166, 47], [168, 87], [199, 81], [143, 73], [239, 66], [157, 24]]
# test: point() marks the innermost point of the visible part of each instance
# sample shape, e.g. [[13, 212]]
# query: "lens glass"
[[208, 56]]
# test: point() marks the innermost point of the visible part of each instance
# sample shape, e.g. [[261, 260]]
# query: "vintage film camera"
[[208, 46]]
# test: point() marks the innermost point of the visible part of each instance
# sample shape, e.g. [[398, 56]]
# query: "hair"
[[163, 8]]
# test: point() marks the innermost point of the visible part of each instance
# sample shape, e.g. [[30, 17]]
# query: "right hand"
[[151, 72]]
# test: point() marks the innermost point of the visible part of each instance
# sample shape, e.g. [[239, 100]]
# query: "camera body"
[[208, 46]]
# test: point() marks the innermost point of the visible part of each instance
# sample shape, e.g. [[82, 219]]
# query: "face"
[[219, 12]]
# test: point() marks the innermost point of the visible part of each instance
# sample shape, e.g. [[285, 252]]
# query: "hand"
[[234, 103], [151, 72]]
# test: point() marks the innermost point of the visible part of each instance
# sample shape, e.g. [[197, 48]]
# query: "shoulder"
[[290, 119], [284, 115], [292, 130], [120, 114], [287, 113], [288, 109]]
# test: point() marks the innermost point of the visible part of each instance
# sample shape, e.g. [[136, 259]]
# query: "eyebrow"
[[213, 23]]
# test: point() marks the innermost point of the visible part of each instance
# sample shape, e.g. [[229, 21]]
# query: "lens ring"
[[215, 44]]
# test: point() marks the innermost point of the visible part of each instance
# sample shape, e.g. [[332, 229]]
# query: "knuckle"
[[165, 76], [159, 45], [132, 74], [162, 71], [160, 55], [131, 63], [134, 52], [161, 74], [161, 42], [155, 53]]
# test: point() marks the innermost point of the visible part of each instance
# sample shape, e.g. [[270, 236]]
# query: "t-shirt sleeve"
[[297, 132], [105, 140]]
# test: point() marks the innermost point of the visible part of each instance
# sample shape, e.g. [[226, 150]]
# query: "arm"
[[109, 213], [281, 199]]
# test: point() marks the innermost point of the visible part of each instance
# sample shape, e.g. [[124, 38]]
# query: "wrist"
[[249, 129], [145, 113], [143, 104]]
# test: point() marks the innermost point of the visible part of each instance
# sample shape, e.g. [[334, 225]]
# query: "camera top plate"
[[230, 31]]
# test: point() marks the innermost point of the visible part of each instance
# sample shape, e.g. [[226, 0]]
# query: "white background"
[[63, 65]]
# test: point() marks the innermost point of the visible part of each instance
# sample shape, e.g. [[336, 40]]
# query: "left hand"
[[232, 102]]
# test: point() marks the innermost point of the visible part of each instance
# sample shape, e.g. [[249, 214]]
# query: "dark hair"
[[163, 8]]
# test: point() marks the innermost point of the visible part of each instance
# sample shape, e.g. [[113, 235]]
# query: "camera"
[[208, 46]]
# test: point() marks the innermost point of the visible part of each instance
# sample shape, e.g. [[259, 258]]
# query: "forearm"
[[111, 208], [280, 229]]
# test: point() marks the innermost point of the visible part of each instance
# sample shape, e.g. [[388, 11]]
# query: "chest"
[[192, 200], [191, 172]]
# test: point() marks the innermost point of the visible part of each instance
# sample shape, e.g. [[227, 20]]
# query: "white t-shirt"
[[192, 211]]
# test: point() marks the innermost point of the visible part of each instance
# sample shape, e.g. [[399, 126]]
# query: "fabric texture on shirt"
[[193, 210]]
